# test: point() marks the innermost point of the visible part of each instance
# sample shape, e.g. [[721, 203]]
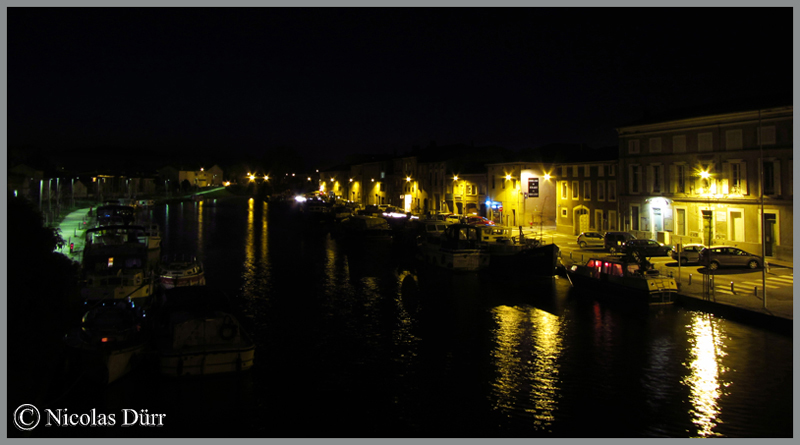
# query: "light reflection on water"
[[387, 339], [256, 269], [705, 372], [528, 344], [199, 212]]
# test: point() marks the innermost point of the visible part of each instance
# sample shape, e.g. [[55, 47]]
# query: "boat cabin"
[[618, 267], [115, 214], [461, 236]]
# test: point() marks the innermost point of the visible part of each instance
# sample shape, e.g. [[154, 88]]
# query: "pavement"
[[73, 228]]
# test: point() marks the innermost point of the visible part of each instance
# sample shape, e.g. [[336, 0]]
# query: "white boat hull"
[[205, 362]]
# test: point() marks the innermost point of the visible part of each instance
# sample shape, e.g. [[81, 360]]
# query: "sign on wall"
[[533, 187]]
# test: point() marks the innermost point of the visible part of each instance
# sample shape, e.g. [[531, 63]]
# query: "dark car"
[[647, 247], [590, 239], [613, 240], [728, 256]]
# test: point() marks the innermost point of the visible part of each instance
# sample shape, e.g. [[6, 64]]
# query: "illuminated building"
[[586, 195], [696, 179], [521, 193]]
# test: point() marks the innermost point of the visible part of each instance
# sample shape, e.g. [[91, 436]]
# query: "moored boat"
[[113, 213], [116, 265], [180, 272], [114, 337], [153, 234], [626, 278], [518, 255], [363, 228], [197, 336], [458, 249]]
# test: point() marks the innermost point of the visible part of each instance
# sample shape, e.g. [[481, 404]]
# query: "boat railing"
[[146, 281]]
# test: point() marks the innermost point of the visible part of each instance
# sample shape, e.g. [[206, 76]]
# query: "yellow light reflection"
[[528, 345], [264, 237], [199, 229], [249, 274], [705, 372]]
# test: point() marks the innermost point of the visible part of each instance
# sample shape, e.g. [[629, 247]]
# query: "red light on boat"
[[104, 339]]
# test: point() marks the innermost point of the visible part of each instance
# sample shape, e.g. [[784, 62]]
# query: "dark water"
[[358, 343]]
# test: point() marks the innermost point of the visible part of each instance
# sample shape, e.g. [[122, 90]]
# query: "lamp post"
[[455, 186], [705, 175], [763, 218]]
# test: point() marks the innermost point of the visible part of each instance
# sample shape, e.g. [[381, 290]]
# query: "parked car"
[[613, 240], [452, 218], [690, 253], [590, 239], [647, 247], [728, 256], [479, 221]]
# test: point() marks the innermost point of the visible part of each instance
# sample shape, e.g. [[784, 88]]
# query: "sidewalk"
[[73, 228], [778, 312]]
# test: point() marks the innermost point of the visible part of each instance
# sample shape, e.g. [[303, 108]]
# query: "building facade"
[[705, 180], [586, 199], [521, 194]]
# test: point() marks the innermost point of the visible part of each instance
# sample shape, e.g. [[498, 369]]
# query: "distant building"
[[199, 178], [24, 181], [214, 175], [521, 194], [335, 182], [696, 179]]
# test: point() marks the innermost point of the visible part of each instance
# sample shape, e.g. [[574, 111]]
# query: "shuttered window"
[[733, 140], [655, 145], [705, 141], [679, 144], [768, 135]]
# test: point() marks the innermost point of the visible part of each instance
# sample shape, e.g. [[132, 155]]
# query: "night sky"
[[334, 81]]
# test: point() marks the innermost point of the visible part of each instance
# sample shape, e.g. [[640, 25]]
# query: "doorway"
[[658, 220], [737, 225], [681, 217], [770, 221], [580, 218]]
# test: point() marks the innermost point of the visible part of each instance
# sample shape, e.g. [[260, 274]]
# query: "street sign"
[[533, 187]]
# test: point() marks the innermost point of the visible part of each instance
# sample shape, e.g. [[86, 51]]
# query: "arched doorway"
[[580, 220]]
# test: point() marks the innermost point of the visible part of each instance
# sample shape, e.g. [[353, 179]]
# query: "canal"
[[359, 343]]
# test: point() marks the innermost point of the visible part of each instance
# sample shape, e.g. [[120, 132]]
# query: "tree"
[[43, 295]]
